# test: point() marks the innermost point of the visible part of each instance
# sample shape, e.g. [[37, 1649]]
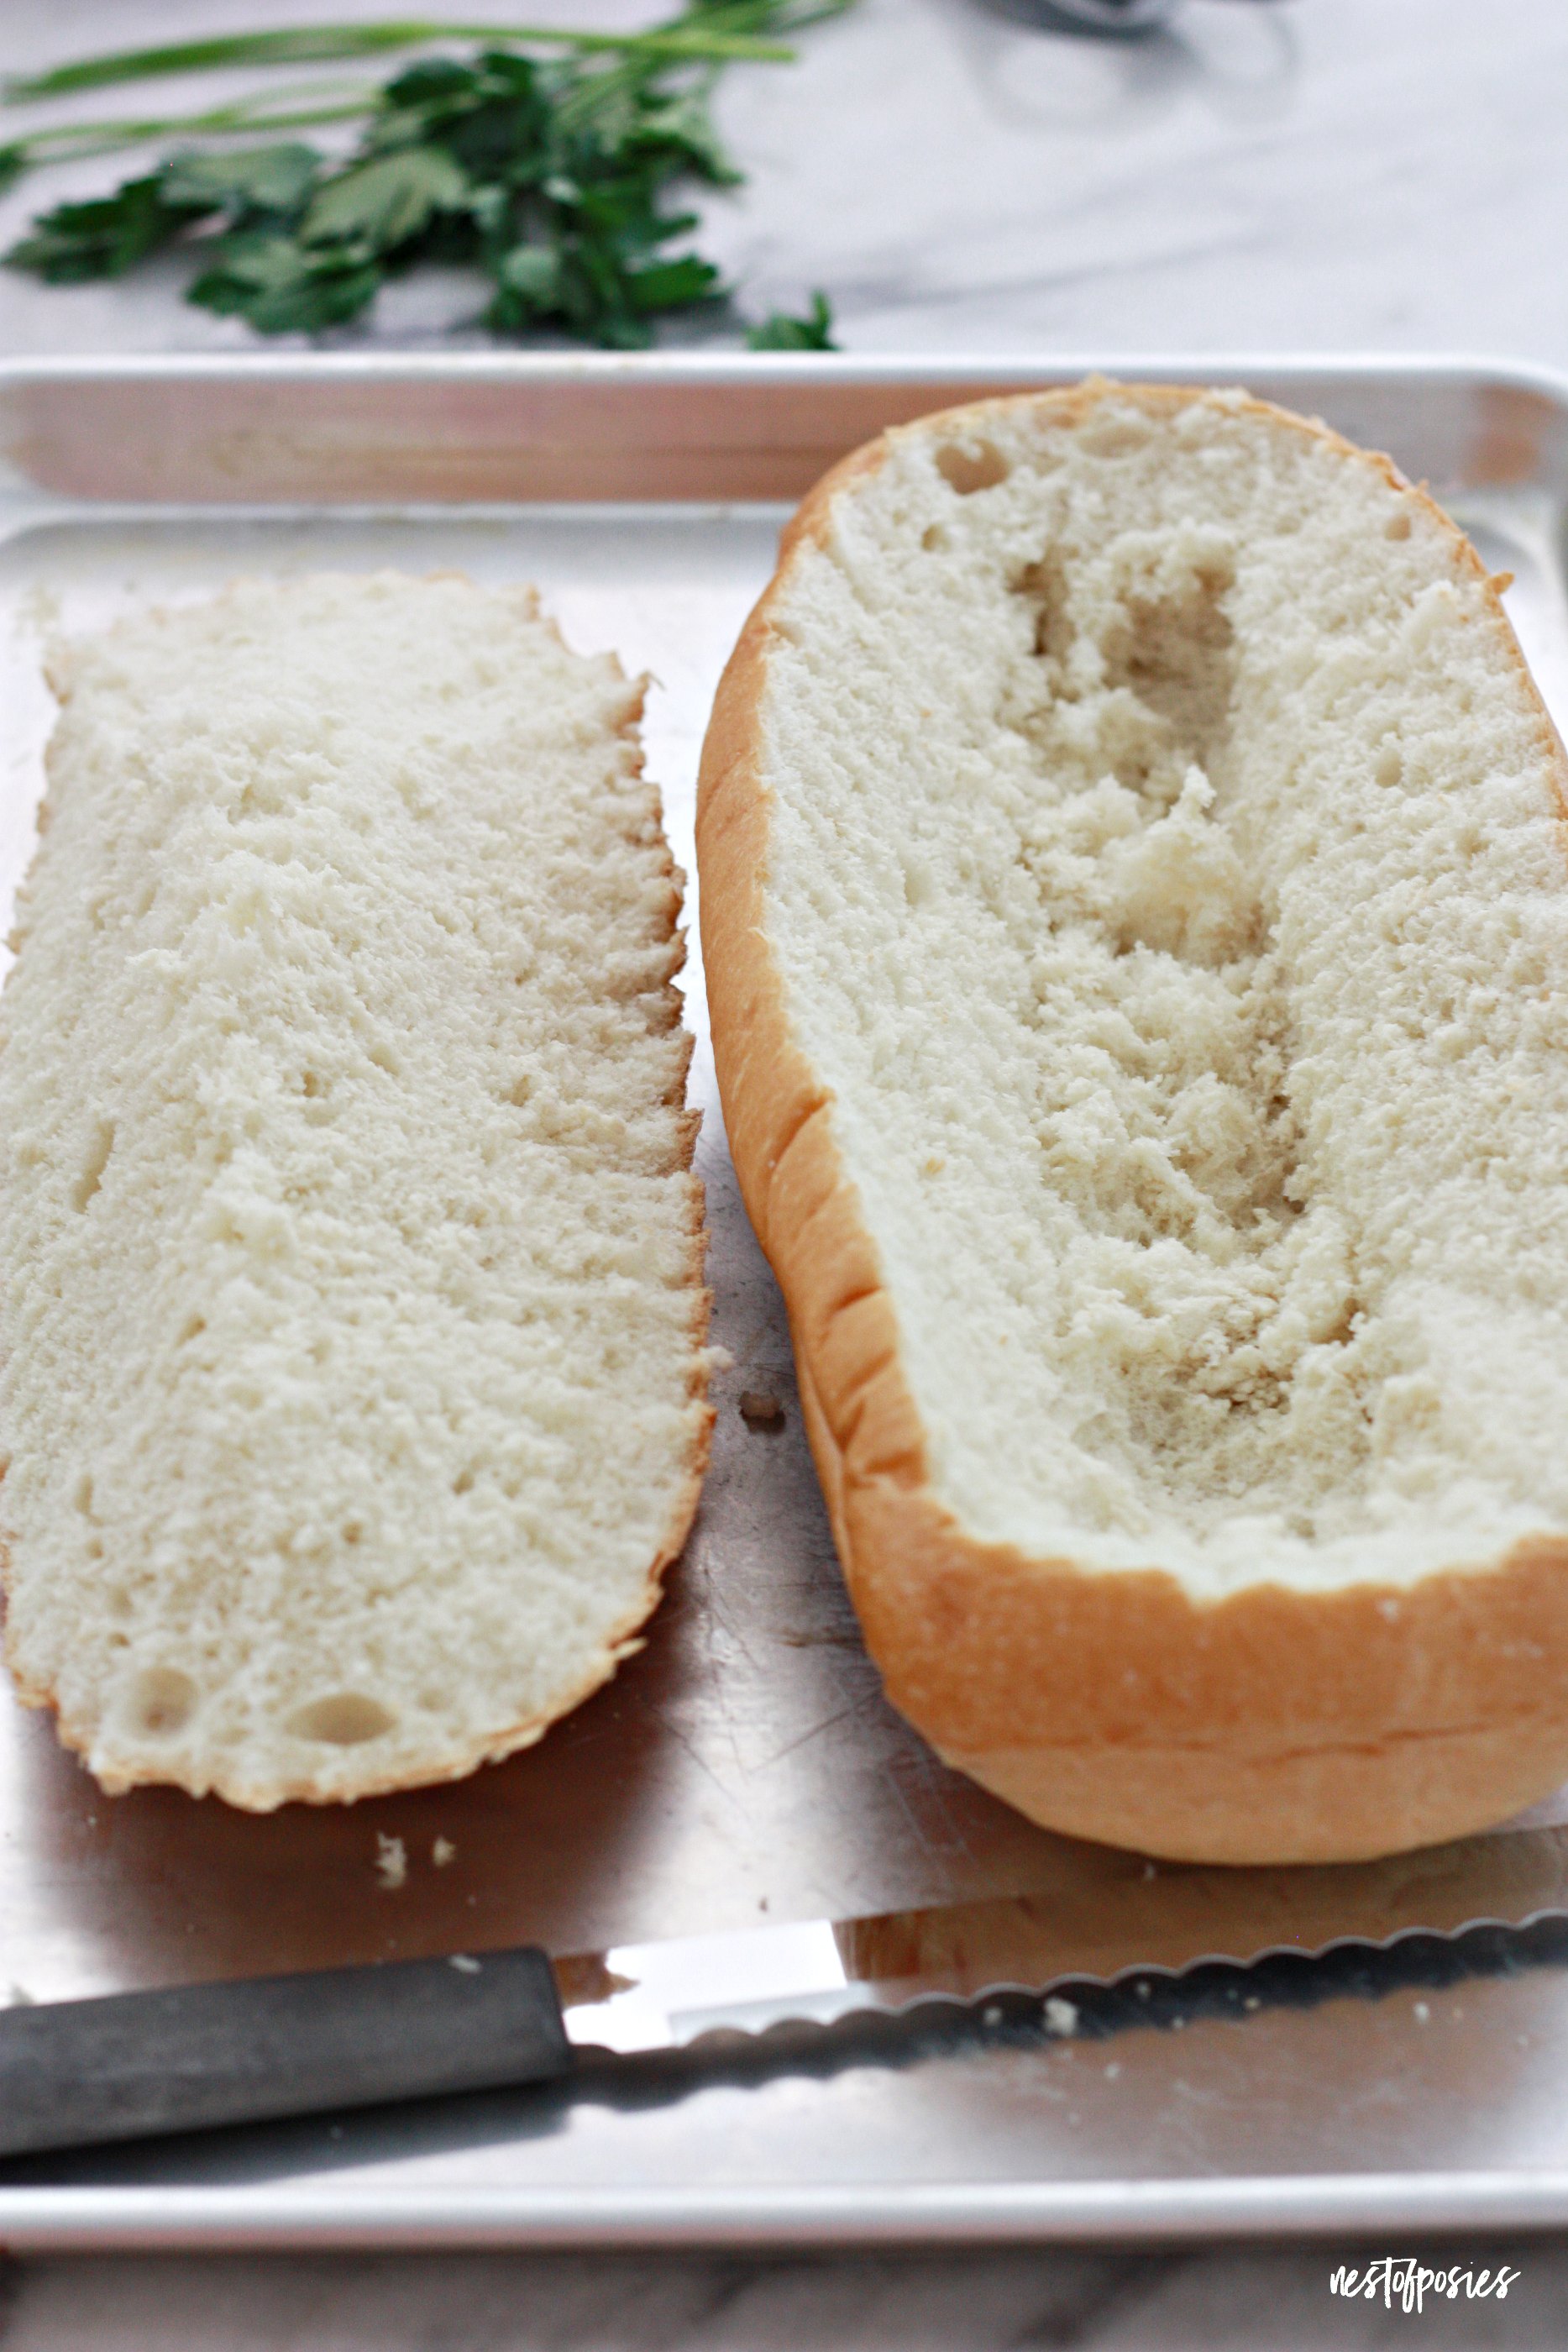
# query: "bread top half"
[[353, 1373], [1134, 912], [1164, 883]]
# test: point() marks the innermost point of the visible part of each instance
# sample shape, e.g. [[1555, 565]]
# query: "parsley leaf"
[[684, 124], [260, 179], [282, 288], [383, 203], [106, 237], [779, 332]]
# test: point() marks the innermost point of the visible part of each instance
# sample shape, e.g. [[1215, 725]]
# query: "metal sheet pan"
[[745, 1766]]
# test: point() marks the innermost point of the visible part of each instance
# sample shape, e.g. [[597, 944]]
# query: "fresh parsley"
[[552, 177], [779, 332]]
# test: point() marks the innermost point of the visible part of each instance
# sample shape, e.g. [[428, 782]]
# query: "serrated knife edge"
[[731, 1969]]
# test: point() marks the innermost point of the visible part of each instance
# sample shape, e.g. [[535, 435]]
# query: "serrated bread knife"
[[78, 2073]]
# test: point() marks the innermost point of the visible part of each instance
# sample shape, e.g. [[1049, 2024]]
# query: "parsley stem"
[[273, 111], [311, 42], [268, 112]]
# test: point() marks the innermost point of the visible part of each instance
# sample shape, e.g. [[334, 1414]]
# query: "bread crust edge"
[[1271, 1725]]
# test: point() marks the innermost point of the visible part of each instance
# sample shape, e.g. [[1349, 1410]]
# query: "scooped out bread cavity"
[[1136, 914], [354, 1380]]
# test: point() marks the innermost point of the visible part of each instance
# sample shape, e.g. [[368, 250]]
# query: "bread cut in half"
[[354, 1379], [1136, 914]]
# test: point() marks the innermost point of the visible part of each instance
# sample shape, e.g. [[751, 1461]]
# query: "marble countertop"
[[1314, 176], [1317, 175], [1193, 2299]]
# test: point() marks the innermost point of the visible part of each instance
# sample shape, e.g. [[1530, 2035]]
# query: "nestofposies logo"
[[1404, 2281]]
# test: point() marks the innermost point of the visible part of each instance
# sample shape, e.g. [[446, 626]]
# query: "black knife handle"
[[75, 2073]]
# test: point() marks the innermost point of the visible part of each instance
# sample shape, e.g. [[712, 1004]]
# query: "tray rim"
[[786, 367], [1292, 376], [1112, 2209], [1349, 2205]]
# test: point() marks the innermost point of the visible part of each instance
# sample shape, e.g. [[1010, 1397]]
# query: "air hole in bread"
[[933, 539], [1132, 715], [82, 1498], [1390, 768], [97, 1160], [161, 1702], [346, 1719], [976, 466], [1173, 652], [1397, 526], [1043, 584], [192, 1328]]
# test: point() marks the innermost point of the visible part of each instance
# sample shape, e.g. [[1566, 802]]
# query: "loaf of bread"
[[1136, 914], [352, 1378]]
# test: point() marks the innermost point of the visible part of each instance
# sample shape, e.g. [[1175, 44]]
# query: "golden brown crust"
[[1274, 1726], [623, 1640]]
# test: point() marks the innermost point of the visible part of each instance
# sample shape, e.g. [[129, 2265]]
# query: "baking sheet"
[[745, 1768]]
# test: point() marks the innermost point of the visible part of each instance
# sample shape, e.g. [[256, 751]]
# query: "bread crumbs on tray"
[[442, 1851], [391, 1860]]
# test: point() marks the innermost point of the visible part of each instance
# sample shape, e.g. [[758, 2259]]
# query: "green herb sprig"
[[310, 42], [550, 176]]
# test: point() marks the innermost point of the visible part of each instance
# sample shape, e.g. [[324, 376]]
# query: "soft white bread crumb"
[[351, 1295], [392, 1862], [1161, 961], [1172, 895]]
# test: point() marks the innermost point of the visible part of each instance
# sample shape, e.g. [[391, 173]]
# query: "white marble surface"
[[1317, 175], [1383, 176], [1224, 2300]]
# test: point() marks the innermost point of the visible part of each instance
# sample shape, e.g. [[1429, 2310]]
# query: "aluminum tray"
[[744, 1768]]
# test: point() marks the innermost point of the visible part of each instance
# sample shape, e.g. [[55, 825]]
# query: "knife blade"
[[126, 2066]]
